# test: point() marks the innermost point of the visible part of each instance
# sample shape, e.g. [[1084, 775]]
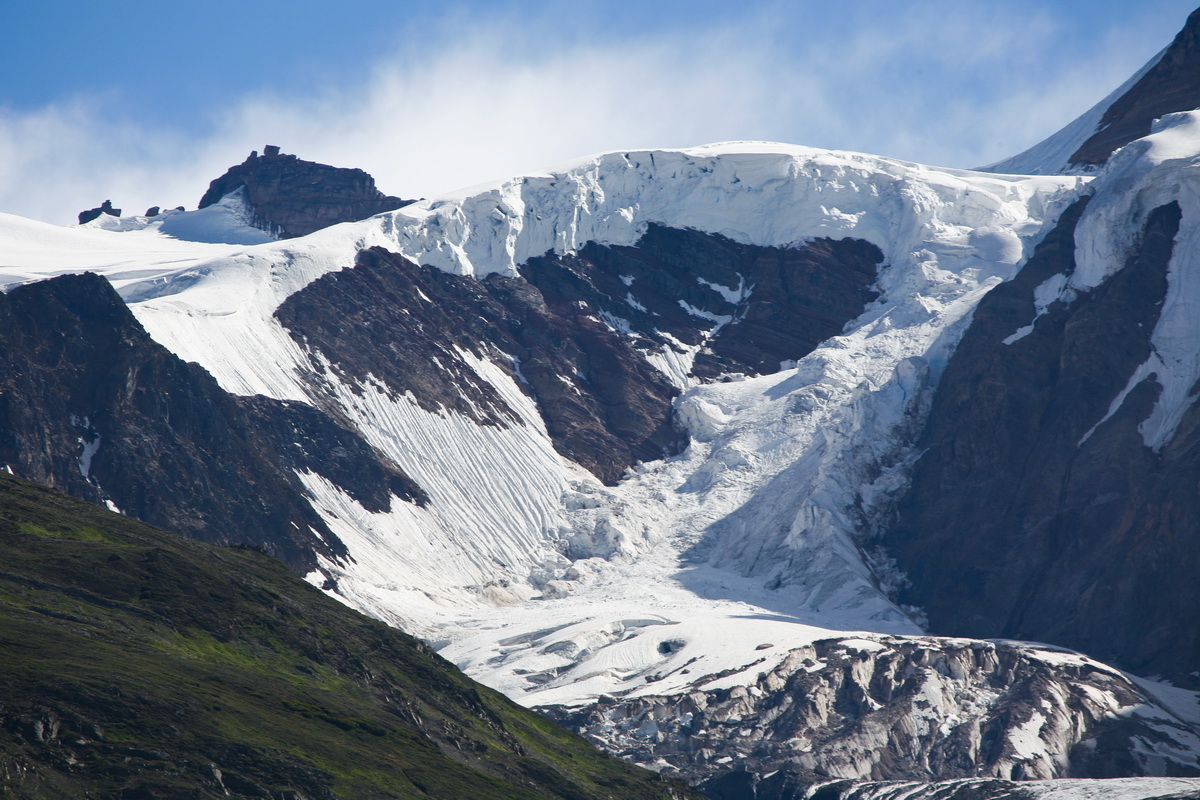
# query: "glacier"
[[703, 570]]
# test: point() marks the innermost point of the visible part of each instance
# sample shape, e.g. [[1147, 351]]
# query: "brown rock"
[[290, 197], [1018, 526]]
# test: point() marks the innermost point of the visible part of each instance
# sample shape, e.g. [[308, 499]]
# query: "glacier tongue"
[[752, 536]]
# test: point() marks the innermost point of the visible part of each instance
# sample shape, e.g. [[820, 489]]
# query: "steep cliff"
[[1038, 508], [91, 404]]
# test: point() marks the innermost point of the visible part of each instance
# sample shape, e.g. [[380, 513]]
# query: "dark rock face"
[[778, 303], [1173, 84], [873, 711], [93, 213], [604, 406], [573, 330], [1015, 524], [290, 197], [90, 404]]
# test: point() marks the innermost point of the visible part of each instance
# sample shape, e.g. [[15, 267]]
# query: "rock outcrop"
[[90, 404], [603, 405], [289, 197], [94, 213], [743, 308]]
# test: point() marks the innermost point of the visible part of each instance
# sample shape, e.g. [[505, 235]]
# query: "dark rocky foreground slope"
[[138, 664], [1033, 516], [291, 197]]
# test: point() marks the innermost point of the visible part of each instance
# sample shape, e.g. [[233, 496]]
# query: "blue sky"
[[144, 104]]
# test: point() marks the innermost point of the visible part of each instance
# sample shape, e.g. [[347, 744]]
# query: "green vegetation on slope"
[[138, 664]]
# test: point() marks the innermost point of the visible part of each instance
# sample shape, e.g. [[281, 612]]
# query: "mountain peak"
[[1172, 84], [1168, 83]]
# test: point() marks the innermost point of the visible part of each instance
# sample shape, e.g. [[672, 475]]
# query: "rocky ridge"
[[915, 709], [90, 404], [1172, 84], [1167, 84], [575, 330], [289, 197]]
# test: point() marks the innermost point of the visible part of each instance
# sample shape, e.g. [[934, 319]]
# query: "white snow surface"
[[227, 221], [33, 251], [524, 569]]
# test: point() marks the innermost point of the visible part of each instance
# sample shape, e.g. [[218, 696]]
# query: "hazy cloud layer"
[[478, 99]]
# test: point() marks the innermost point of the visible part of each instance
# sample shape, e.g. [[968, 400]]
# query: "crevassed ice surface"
[[754, 535]]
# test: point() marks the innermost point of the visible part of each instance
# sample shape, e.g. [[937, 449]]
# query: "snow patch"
[[734, 296], [1052, 289]]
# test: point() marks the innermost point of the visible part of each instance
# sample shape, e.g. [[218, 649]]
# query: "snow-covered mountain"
[[512, 511], [1168, 83], [682, 446]]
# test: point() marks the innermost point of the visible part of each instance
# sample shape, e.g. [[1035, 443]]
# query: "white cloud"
[[485, 99]]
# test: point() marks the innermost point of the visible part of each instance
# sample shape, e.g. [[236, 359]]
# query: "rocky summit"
[[288, 197]]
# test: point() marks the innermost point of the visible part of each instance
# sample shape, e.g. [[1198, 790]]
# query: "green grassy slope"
[[138, 664]]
